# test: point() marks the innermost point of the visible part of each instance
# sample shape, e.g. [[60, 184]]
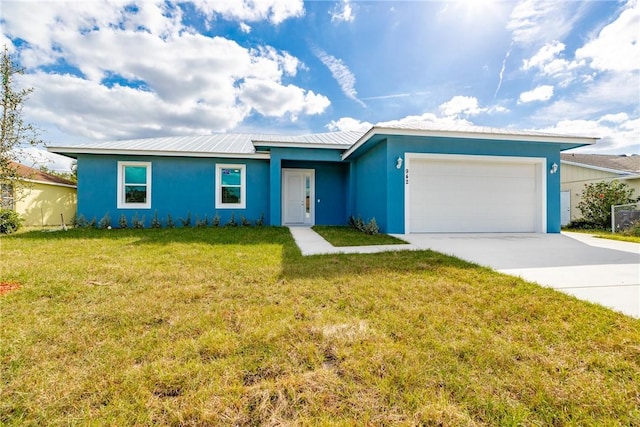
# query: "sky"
[[125, 69]]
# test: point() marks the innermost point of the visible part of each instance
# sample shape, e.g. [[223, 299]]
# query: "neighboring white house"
[[578, 170]]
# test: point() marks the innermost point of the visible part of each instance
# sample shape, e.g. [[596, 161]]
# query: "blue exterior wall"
[[371, 185], [379, 185], [331, 180], [179, 185]]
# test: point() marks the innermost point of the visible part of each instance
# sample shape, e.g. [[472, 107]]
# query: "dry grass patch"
[[235, 327]]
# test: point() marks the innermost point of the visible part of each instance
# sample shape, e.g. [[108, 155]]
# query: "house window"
[[230, 186], [134, 185], [6, 196]]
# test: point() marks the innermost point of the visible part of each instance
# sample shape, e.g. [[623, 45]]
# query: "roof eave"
[[600, 168], [574, 141], [269, 144], [71, 151]]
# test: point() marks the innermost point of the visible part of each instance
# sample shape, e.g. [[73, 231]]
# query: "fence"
[[623, 216]]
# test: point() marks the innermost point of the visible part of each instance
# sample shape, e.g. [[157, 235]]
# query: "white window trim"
[[121, 194], [243, 186]]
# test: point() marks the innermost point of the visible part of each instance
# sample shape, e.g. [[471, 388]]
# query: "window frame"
[[122, 204], [242, 186], [7, 196]]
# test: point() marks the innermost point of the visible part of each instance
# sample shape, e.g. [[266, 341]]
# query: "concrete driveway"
[[597, 270]]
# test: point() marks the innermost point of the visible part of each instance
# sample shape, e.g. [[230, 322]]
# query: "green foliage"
[[260, 221], [186, 222], [370, 227], [137, 222], [105, 222], [245, 222], [14, 132], [123, 221], [633, 230], [597, 199], [10, 221], [170, 223], [202, 223], [232, 221], [349, 236], [215, 222], [155, 221]]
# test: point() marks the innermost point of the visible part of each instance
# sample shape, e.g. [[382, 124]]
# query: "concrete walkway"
[[603, 271]]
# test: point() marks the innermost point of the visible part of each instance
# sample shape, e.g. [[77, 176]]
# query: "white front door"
[[298, 196]]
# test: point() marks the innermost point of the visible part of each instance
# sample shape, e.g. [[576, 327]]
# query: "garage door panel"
[[473, 196]]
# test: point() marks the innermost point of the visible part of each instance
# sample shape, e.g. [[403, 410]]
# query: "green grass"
[[607, 235], [349, 236], [235, 327]]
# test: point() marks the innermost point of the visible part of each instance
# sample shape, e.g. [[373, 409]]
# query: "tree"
[[14, 132], [598, 197]]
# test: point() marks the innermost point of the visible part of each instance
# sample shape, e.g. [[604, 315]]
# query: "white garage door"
[[481, 194]]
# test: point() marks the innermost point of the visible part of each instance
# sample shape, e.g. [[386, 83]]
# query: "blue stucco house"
[[410, 179]]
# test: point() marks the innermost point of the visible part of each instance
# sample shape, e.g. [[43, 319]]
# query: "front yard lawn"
[[349, 236], [607, 235], [234, 327]]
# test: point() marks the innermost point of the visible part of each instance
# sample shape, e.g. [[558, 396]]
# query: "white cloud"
[[274, 11], [342, 12], [547, 53], [181, 82], [341, 73], [348, 123], [466, 105], [617, 46], [540, 93], [245, 28], [615, 137], [536, 21]]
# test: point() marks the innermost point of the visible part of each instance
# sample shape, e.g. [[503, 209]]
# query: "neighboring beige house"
[[580, 169], [40, 198]]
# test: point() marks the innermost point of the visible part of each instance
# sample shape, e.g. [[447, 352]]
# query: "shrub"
[[371, 227], [581, 224], [137, 222], [81, 222], [155, 221], [215, 222], [260, 221], [202, 223], [232, 221], [122, 223], [186, 222], [598, 197], [93, 223], [356, 222], [105, 221], [245, 222], [633, 230], [10, 221], [170, 223]]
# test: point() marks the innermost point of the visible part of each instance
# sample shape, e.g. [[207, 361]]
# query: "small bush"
[[10, 221], [93, 223], [122, 223], [260, 221], [170, 223], [582, 224], [245, 222], [371, 227], [137, 222], [356, 222], [81, 222], [215, 222], [155, 221], [186, 222], [633, 230], [232, 221], [105, 221], [202, 223]]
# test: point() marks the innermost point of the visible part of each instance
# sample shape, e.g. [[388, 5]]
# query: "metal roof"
[[244, 144]]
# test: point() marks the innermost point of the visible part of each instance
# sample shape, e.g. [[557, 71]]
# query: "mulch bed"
[[8, 286]]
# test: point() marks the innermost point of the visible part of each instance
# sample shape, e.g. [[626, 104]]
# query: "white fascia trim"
[[57, 184], [113, 151], [299, 145], [621, 173], [540, 162], [469, 135]]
